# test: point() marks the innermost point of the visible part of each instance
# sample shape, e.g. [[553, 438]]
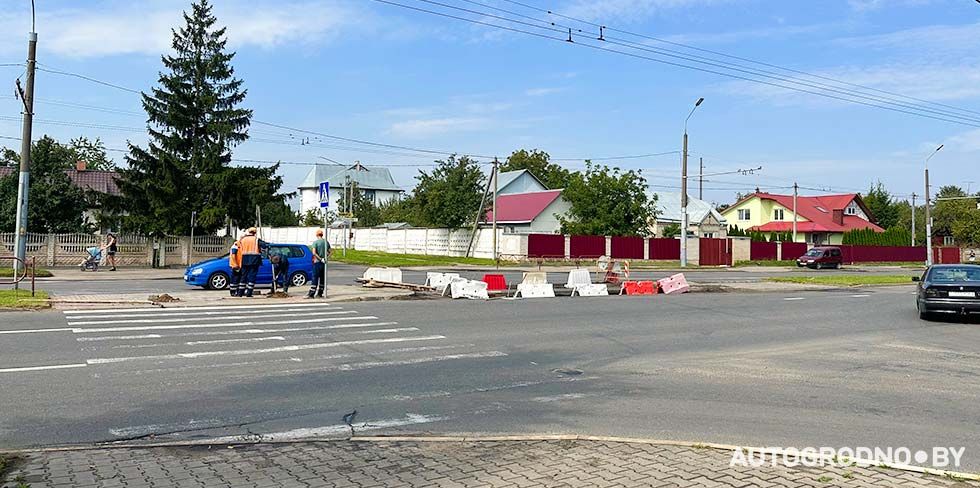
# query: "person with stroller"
[[110, 247], [93, 256]]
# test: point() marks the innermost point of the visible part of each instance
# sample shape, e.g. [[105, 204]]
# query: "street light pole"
[[684, 222], [928, 211], [24, 178], [913, 218]]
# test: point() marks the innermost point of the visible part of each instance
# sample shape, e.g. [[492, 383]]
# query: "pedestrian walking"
[[279, 257], [251, 248], [111, 247], [235, 262], [321, 251]]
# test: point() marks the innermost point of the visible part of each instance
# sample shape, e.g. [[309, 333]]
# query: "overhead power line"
[[713, 66]]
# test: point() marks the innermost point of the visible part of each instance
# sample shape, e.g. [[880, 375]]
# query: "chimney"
[[839, 216], [80, 165]]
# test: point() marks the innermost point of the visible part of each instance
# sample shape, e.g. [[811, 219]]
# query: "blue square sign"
[[324, 194]]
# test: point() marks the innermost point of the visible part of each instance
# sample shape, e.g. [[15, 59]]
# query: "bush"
[[868, 237]]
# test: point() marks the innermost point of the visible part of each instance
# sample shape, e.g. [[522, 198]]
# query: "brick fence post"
[[51, 242]]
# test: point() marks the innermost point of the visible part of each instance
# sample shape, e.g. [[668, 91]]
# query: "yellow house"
[[820, 219]]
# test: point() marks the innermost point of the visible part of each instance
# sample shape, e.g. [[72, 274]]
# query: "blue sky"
[[366, 70]]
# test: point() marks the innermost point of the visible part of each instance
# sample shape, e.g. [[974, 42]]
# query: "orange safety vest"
[[248, 245], [235, 257]]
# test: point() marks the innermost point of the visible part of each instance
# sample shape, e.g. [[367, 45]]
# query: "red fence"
[[871, 254], [763, 251], [793, 250], [665, 248], [627, 248], [946, 255], [587, 247], [715, 252], [545, 246]]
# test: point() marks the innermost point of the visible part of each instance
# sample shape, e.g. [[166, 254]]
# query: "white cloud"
[[429, 127], [628, 10], [868, 5], [966, 142], [775, 32], [540, 92], [943, 40], [114, 28]]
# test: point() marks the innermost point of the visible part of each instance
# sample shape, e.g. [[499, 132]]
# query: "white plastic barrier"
[[535, 290], [578, 277], [535, 278], [440, 281], [462, 288], [674, 284], [391, 275], [592, 290]]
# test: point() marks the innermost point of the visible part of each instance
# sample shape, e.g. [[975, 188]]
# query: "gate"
[[714, 252]]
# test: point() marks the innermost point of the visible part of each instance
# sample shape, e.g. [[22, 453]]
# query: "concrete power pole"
[[684, 221], [24, 179], [495, 188], [913, 218], [796, 194], [928, 224]]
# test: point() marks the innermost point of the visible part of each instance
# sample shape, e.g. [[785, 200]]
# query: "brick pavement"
[[517, 464]]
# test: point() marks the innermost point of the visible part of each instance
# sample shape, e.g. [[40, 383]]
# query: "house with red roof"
[[821, 219], [533, 212]]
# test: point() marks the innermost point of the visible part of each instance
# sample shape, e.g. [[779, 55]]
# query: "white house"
[[520, 181], [374, 182], [702, 218], [534, 212]]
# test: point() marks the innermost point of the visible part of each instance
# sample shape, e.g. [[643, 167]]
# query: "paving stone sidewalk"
[[393, 464]]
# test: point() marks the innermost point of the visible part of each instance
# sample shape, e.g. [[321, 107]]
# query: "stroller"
[[93, 259]]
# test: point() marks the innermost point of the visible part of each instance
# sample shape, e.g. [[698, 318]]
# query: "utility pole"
[[24, 179], [349, 204], [796, 194], [701, 181], [928, 216], [684, 221], [913, 218], [495, 261]]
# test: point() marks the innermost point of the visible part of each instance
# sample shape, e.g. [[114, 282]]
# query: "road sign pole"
[[325, 206]]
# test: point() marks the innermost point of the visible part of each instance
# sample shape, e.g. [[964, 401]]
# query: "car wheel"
[[923, 314], [297, 279], [218, 281], [837, 266]]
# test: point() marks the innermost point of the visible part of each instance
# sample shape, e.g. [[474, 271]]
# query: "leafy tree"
[[607, 201], [966, 230], [194, 120], [312, 218], [450, 195], [879, 201], [399, 211], [93, 153], [55, 204], [672, 230], [279, 214], [946, 213], [364, 210], [539, 164]]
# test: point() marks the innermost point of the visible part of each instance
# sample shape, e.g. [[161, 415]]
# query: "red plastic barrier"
[[640, 287], [627, 248], [495, 282], [665, 248], [763, 251], [587, 247], [545, 246], [793, 250]]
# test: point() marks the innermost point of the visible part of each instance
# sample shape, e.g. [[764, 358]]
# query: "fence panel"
[[763, 251], [714, 252], [946, 255], [793, 250], [871, 254], [587, 246], [626, 248], [545, 246], [665, 248]]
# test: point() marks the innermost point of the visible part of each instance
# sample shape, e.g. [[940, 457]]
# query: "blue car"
[[215, 273]]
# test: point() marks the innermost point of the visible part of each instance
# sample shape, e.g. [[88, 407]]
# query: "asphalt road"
[[106, 283], [808, 369]]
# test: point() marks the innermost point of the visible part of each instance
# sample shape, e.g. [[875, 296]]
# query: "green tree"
[[450, 195], [56, 205], [879, 201], [966, 230], [92, 153], [312, 218], [946, 213], [366, 212], [194, 121], [672, 230], [539, 164], [402, 210], [607, 201]]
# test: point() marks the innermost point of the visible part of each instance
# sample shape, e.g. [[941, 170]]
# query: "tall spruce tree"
[[194, 120]]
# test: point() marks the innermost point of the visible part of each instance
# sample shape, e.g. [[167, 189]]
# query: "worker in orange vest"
[[235, 262], [250, 247]]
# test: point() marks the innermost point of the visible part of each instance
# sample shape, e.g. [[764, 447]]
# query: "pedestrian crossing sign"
[[324, 194]]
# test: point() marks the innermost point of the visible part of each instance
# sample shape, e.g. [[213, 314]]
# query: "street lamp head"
[[701, 100], [941, 145]]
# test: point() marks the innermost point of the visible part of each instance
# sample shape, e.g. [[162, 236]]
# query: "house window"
[[744, 214], [369, 195], [948, 241], [777, 214], [851, 210], [709, 235]]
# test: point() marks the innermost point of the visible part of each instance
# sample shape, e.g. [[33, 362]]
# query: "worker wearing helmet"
[[250, 247], [235, 262]]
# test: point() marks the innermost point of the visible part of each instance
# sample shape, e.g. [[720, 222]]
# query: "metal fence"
[[132, 250]]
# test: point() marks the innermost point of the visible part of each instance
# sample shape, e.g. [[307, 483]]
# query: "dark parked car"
[[948, 288], [821, 257]]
